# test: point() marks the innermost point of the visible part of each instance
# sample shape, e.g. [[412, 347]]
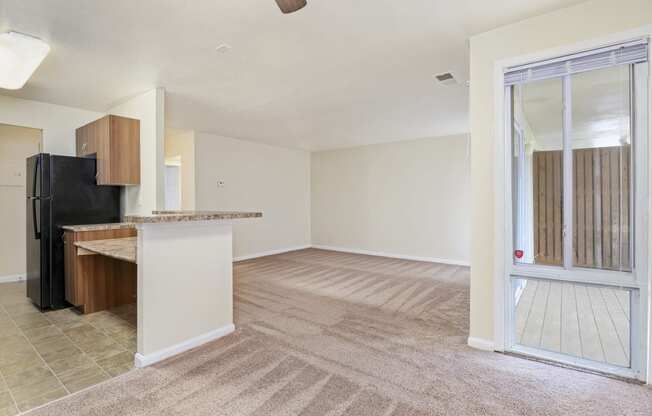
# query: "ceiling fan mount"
[[291, 6]]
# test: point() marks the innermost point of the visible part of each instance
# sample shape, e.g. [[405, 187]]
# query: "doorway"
[[16, 145], [576, 279], [179, 170], [173, 183]]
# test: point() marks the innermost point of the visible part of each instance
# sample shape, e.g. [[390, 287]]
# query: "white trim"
[[567, 172], [626, 53], [394, 256], [643, 361], [480, 344], [270, 253], [141, 360], [502, 224], [569, 49], [574, 361], [586, 275], [589, 52], [502, 253], [10, 278]]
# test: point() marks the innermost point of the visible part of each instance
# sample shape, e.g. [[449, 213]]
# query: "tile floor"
[[44, 356]]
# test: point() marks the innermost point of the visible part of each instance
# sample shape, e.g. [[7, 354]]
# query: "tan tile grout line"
[[2, 375], [86, 321], [109, 336], [68, 392], [91, 386], [77, 346], [37, 353], [85, 389], [5, 382]]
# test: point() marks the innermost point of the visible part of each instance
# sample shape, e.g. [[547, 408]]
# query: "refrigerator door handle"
[[37, 233], [35, 176], [34, 198]]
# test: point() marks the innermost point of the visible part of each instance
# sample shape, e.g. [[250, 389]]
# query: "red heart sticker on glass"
[[519, 254]]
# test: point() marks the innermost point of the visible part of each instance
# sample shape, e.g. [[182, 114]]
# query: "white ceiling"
[[337, 73]]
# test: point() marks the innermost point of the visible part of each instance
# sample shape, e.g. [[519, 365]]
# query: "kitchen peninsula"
[[184, 277]]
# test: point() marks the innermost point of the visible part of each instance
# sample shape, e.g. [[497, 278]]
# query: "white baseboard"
[[395, 256], [141, 360], [10, 278], [480, 344], [270, 253]]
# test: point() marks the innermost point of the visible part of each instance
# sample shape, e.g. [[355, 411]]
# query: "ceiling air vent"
[[446, 79]]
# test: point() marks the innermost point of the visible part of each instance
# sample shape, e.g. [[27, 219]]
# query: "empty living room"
[[325, 207]]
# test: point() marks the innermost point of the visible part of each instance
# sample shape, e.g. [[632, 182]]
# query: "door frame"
[[503, 264]]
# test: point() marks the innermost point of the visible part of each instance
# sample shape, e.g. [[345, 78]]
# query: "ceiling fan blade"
[[289, 6]]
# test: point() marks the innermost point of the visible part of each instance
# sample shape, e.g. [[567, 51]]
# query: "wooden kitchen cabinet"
[[115, 142], [73, 285], [93, 282]]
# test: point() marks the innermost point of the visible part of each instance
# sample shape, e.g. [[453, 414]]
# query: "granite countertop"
[[99, 227], [185, 216], [117, 248]]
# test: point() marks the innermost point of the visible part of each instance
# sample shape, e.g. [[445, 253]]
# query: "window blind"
[[629, 53]]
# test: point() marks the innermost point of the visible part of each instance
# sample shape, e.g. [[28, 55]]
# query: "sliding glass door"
[[578, 134]]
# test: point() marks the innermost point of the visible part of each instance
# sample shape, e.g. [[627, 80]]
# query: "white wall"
[[16, 144], [57, 122], [182, 144], [585, 22], [185, 286], [149, 108], [256, 177], [409, 198]]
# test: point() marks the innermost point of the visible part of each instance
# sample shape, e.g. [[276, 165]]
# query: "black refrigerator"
[[61, 190]]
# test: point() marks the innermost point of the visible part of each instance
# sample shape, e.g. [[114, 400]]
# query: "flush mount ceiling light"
[[20, 55], [290, 6]]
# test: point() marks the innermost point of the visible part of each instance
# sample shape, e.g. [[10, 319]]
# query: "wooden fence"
[[601, 207]]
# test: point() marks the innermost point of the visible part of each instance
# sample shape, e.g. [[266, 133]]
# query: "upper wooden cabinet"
[[115, 142]]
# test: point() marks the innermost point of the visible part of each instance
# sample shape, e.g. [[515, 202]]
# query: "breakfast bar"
[[176, 266], [185, 281]]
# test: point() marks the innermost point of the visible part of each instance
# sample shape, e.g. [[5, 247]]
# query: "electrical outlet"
[[220, 184]]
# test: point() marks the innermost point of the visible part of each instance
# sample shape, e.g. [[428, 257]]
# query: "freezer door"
[[37, 214]]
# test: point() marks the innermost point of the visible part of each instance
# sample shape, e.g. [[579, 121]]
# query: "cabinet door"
[[84, 145], [115, 142], [124, 151], [88, 137], [93, 141], [103, 147]]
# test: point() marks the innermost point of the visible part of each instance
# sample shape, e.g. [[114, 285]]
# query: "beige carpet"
[[323, 333]]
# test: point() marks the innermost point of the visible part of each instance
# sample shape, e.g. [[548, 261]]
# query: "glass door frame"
[[636, 281]]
